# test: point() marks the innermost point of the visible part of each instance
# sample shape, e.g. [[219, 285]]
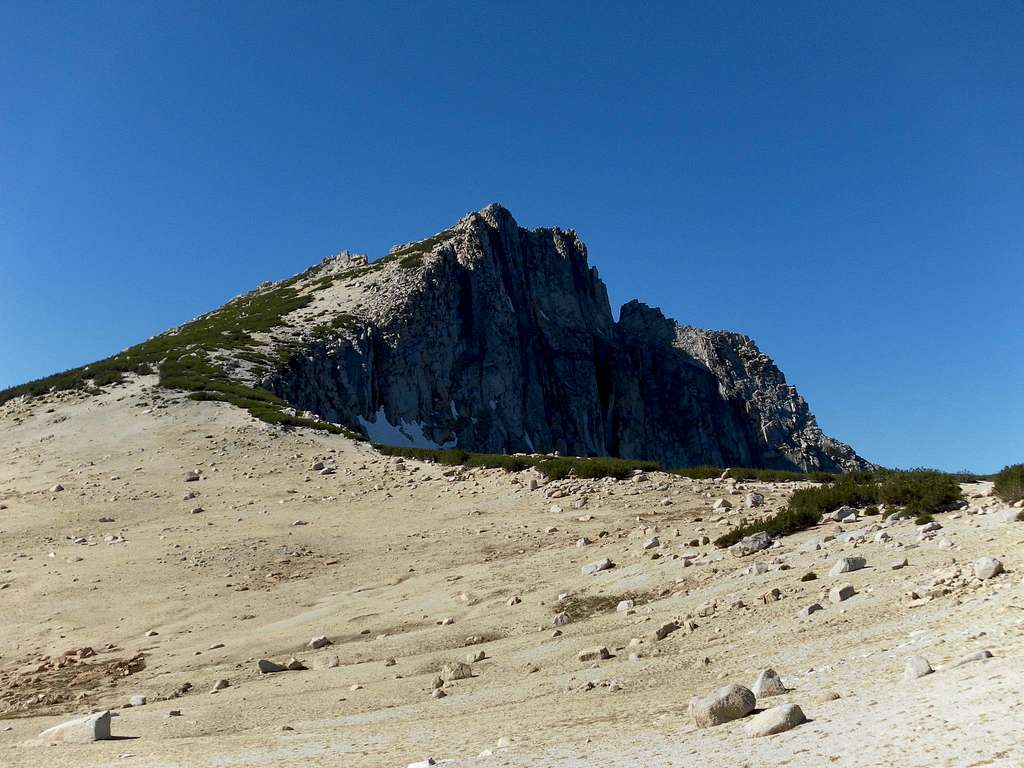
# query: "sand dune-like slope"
[[177, 585]]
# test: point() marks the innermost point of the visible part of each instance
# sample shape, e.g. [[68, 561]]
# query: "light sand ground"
[[387, 552]]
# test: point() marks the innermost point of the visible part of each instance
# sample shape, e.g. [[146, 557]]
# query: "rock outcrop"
[[491, 337]]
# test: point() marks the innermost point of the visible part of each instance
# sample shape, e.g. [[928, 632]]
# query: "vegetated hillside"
[[490, 338]]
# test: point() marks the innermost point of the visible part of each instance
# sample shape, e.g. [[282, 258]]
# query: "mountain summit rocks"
[[491, 337]]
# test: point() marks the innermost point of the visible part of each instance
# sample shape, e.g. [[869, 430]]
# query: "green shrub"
[[706, 472], [921, 491], [183, 357], [784, 523], [559, 467], [553, 467], [871, 511], [412, 261], [924, 519], [1009, 483]]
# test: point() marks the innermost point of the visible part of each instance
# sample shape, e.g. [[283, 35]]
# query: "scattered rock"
[[456, 670], [596, 567], [841, 593], [977, 656], [987, 567], [768, 683], [137, 700], [81, 730], [594, 654], [728, 703], [915, 667], [847, 564], [775, 720], [751, 544], [267, 666], [320, 641]]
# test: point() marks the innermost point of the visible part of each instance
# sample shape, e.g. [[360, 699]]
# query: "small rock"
[[320, 641], [137, 700], [841, 593], [768, 683], [561, 619], [987, 567], [775, 720], [812, 608], [267, 666], [599, 565], [915, 667], [751, 544], [977, 656], [847, 564], [728, 703], [456, 670], [594, 654]]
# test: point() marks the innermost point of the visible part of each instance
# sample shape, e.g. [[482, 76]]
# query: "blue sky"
[[842, 182]]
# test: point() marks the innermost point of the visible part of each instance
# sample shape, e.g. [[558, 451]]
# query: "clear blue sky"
[[844, 182]]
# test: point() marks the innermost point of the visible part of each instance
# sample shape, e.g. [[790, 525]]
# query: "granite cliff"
[[495, 338]]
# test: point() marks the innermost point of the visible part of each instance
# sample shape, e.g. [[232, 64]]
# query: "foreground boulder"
[[81, 730], [775, 720], [722, 706]]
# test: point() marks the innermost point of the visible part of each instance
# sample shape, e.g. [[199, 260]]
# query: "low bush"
[[924, 519], [553, 467], [783, 523], [920, 491], [706, 472], [1009, 483]]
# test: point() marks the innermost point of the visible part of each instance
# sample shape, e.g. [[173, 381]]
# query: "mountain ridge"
[[491, 337]]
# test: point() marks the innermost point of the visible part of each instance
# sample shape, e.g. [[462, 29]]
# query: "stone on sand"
[[775, 720], [730, 702]]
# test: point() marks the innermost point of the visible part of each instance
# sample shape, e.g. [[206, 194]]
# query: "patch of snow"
[[404, 434]]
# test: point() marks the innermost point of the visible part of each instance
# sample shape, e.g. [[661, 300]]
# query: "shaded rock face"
[[503, 341]]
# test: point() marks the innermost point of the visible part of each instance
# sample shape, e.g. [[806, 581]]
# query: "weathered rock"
[[138, 700], [597, 566], [492, 302], [266, 666], [665, 630], [728, 703], [987, 567], [775, 720], [561, 619], [812, 608], [971, 657], [320, 641], [847, 564], [754, 500], [841, 593], [751, 544], [915, 667], [768, 683], [594, 654], [81, 730], [456, 670]]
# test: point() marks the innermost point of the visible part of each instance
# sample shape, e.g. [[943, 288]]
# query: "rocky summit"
[[495, 338], [490, 338]]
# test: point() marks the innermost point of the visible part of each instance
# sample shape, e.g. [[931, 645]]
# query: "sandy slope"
[[386, 553]]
